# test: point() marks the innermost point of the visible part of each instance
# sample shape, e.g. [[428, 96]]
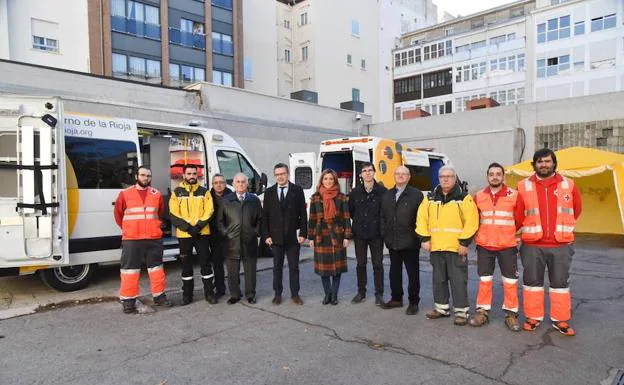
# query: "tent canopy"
[[599, 176]]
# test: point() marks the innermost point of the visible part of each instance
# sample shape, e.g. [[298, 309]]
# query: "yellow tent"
[[599, 176]]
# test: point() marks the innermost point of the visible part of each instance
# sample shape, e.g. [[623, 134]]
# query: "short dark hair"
[[142, 168], [495, 165], [543, 153], [218, 175], [187, 166], [281, 165], [367, 164]]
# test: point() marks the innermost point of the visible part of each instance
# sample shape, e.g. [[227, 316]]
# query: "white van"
[[346, 155], [61, 172]]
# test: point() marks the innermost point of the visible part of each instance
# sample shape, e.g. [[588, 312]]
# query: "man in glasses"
[[138, 210], [365, 208], [398, 227]]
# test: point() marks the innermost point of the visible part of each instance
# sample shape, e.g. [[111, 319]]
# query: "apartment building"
[[42, 32], [578, 48], [439, 69], [335, 53], [169, 42]]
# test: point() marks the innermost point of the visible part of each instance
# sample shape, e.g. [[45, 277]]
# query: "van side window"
[[231, 163], [100, 163], [303, 177]]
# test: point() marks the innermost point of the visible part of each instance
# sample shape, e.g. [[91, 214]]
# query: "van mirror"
[[262, 184]]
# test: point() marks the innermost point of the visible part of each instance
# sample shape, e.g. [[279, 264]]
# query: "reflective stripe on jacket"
[[532, 226], [140, 219], [497, 227]]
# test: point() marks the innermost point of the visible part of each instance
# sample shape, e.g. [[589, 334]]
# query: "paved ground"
[[94, 343]]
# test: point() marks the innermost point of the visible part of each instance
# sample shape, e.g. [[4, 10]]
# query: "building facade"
[[578, 48], [169, 42], [335, 53], [41, 32], [439, 69]]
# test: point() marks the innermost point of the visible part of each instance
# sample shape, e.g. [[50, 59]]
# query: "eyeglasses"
[[401, 173], [447, 176]]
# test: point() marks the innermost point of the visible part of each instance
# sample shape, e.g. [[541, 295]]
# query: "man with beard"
[[218, 242], [190, 209], [138, 210], [496, 238], [548, 207]]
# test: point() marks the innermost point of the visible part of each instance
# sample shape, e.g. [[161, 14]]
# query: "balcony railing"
[[187, 39], [223, 47], [135, 27]]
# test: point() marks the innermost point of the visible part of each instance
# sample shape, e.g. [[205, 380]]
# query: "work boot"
[[480, 318], [564, 328], [461, 320], [209, 295], [129, 305], [334, 299], [162, 300], [187, 291], [359, 297], [327, 299], [434, 314], [512, 322], [531, 324], [379, 299]]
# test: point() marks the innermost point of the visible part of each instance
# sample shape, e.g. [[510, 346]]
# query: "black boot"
[[327, 299], [129, 305], [209, 295], [334, 299], [187, 291]]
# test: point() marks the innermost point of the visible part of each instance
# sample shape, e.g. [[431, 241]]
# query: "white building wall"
[[19, 20], [260, 47], [574, 60]]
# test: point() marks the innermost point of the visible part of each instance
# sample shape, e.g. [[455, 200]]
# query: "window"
[[136, 67], [554, 29], [541, 33], [448, 31], [600, 23], [303, 18], [498, 39], [303, 176], [403, 58], [493, 65], [222, 77], [231, 163], [427, 55], [355, 94], [511, 61], [477, 44], [227, 4], [348, 59], [579, 28], [120, 65], [397, 60], [511, 36], [516, 12], [434, 51], [449, 47], [579, 65], [458, 75], [45, 44], [355, 28], [553, 66], [135, 18], [304, 53], [521, 62], [502, 64], [481, 70], [222, 44], [462, 48], [474, 71], [287, 24], [541, 68], [248, 69], [287, 55], [417, 55], [410, 57], [363, 64], [440, 49], [477, 23], [101, 163]]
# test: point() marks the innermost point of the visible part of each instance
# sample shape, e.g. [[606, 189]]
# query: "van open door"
[[33, 198], [303, 172], [420, 170]]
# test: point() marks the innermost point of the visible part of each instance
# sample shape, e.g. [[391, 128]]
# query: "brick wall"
[[605, 135]]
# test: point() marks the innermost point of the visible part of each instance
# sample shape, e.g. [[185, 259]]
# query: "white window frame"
[[48, 45]]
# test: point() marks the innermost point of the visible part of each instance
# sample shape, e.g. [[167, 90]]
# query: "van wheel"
[[68, 278]]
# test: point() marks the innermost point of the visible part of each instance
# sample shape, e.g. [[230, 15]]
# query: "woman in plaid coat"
[[329, 231]]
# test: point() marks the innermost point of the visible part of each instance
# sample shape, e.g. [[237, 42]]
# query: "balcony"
[[135, 27], [223, 47], [187, 39]]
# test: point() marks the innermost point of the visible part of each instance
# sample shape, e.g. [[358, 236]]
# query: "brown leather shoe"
[[392, 304], [461, 320], [277, 300], [480, 318], [434, 314], [512, 322], [297, 300]]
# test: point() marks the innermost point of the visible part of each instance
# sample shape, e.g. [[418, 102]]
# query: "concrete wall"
[[473, 139], [268, 127]]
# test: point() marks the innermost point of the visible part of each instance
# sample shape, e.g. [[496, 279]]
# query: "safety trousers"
[[508, 263], [535, 260], [133, 255]]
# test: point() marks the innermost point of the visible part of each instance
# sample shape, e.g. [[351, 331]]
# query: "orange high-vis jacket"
[[140, 219], [564, 221], [497, 226]]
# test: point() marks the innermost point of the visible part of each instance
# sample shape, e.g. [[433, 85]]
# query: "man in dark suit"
[[284, 213]]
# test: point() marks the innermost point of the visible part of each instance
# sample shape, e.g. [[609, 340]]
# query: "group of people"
[[224, 225]]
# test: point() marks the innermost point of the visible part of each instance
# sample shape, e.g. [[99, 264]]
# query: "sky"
[[467, 7]]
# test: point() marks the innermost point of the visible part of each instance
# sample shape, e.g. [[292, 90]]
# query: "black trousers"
[[291, 251], [409, 258], [233, 268], [202, 246], [376, 250], [218, 247]]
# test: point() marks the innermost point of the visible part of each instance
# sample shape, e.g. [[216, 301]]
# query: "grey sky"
[[467, 7]]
